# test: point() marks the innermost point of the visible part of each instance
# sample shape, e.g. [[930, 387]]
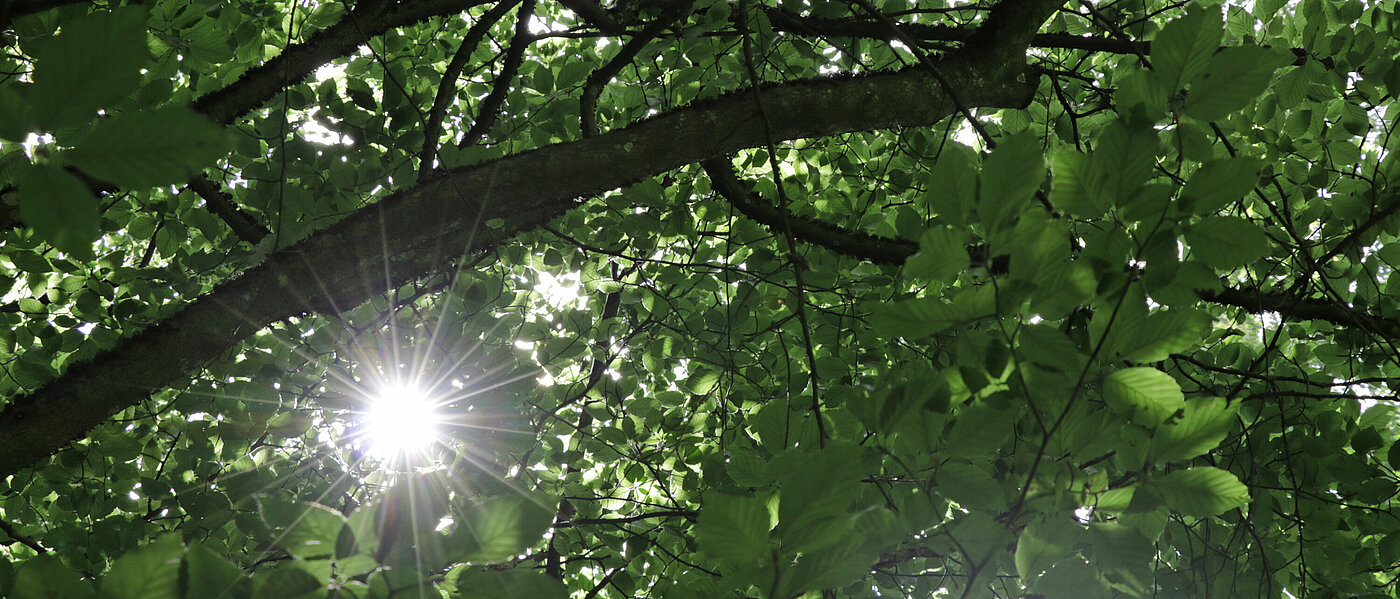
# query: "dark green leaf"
[[1184, 46], [151, 572], [1235, 77], [60, 209], [1219, 183], [1227, 242], [91, 64], [498, 528], [1010, 177], [45, 577], [137, 150]]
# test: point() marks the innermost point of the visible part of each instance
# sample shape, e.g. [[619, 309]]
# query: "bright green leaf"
[[1148, 395], [1203, 491], [1202, 427]]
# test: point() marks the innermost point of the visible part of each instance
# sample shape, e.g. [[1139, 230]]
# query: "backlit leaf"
[[1203, 491], [1148, 395]]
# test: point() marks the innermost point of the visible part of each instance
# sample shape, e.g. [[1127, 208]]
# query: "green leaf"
[[503, 526], [952, 187], [1148, 395], [93, 62], [1041, 544], [1227, 242], [139, 150], [912, 319], [1202, 427], [151, 572], [702, 381], [289, 581], [1219, 183], [45, 577], [1010, 176], [734, 528], [1071, 186], [1163, 333], [1072, 579], [972, 487], [1203, 491], [60, 209], [1184, 46], [1235, 77], [1121, 162], [208, 574], [16, 119], [941, 255], [305, 529], [475, 583]]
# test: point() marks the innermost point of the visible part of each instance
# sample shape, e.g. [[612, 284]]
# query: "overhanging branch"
[[425, 228]]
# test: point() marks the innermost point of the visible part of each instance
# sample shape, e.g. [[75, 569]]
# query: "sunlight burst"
[[401, 423]]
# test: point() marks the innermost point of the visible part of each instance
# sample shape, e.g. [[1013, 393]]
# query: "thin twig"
[[794, 258]]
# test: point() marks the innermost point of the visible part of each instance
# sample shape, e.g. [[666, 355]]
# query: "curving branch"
[[447, 89], [588, 102], [515, 55], [427, 227], [367, 20], [885, 250]]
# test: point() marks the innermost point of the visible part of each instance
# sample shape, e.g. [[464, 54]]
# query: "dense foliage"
[[756, 299]]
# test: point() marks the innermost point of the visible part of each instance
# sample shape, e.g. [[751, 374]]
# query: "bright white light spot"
[[400, 423]]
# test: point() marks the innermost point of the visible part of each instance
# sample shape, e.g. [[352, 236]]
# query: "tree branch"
[[515, 54], [298, 62], [425, 228], [223, 206], [447, 89], [1292, 308]]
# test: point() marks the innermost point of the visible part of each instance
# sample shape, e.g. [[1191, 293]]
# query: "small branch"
[[687, 514], [23, 539], [588, 101], [447, 90], [222, 205], [515, 54]]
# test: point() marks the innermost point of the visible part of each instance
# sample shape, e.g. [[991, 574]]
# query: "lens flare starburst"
[[401, 424]]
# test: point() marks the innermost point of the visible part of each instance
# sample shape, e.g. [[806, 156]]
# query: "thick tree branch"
[[427, 227], [1293, 308]]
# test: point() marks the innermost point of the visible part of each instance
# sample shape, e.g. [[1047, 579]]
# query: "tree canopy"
[[699, 298]]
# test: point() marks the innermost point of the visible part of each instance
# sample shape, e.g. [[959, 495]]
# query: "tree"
[[711, 299]]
